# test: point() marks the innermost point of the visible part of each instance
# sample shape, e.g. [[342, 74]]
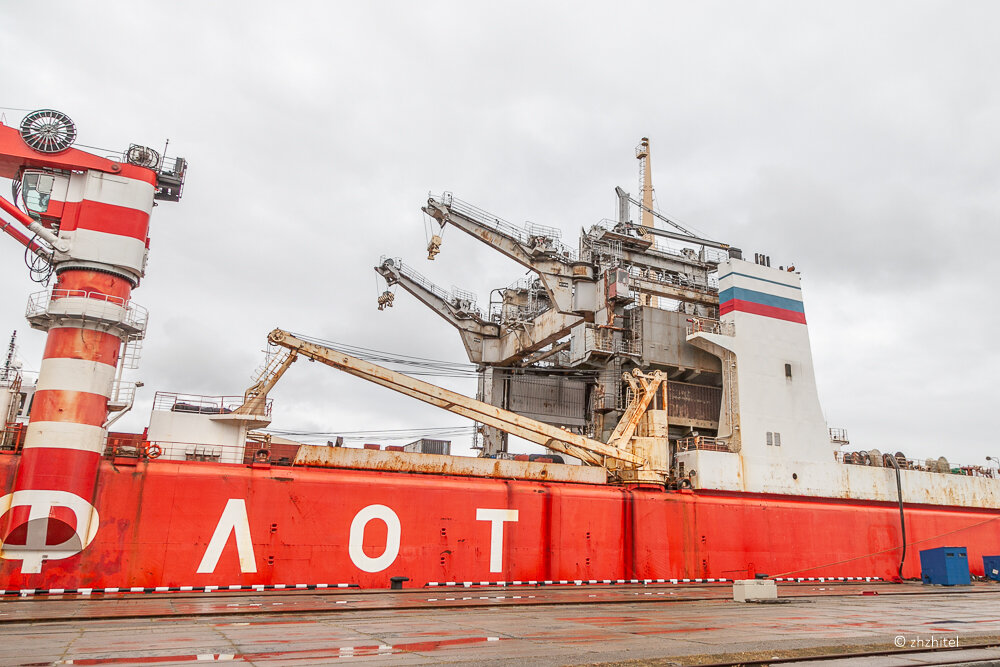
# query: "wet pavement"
[[530, 625]]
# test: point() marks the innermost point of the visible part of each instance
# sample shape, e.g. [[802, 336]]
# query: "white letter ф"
[[41, 502], [233, 520], [496, 519], [355, 546]]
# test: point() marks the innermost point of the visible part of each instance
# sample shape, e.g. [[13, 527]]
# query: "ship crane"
[[255, 398], [682, 234], [627, 458], [89, 219], [541, 252], [486, 342], [460, 313]]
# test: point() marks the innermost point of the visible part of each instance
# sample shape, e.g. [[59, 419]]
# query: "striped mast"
[[100, 209]]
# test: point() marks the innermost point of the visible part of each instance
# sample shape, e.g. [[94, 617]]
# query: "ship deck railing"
[[703, 325], [135, 446], [199, 404], [704, 443], [923, 465], [12, 437]]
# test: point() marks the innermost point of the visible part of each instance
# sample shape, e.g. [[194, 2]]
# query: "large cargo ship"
[[669, 380]]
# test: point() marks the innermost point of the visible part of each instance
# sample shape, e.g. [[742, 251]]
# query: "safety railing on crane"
[[463, 299], [704, 254], [531, 234]]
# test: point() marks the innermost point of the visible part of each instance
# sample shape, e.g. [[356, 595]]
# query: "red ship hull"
[[167, 524]]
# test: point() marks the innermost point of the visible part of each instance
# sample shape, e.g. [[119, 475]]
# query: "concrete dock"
[[868, 623]]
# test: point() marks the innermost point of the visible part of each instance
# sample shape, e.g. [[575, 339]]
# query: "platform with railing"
[[199, 404], [703, 443], [532, 235], [702, 325], [462, 299], [940, 465], [704, 254], [47, 308]]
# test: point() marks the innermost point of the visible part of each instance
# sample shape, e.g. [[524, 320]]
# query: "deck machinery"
[[560, 346]]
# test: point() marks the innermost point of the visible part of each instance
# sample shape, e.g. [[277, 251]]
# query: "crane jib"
[[513, 423]]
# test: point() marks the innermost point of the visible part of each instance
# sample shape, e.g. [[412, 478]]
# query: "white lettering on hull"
[[233, 520], [496, 519], [355, 546], [35, 550]]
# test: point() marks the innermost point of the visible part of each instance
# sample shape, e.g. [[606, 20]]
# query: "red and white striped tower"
[[100, 210]]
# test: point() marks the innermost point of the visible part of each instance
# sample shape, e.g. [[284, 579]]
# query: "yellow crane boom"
[[588, 450]]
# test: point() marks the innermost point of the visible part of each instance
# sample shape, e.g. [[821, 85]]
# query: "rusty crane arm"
[[460, 314], [572, 444], [541, 251]]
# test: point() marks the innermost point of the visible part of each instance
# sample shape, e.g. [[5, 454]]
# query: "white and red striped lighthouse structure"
[[92, 216]]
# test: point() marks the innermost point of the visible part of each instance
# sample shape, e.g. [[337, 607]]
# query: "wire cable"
[[413, 365]]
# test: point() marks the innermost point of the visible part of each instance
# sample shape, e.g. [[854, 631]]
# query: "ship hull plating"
[[205, 524]]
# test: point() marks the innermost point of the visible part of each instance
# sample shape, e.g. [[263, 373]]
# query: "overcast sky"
[[858, 140]]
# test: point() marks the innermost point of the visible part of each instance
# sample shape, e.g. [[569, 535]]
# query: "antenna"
[[646, 178]]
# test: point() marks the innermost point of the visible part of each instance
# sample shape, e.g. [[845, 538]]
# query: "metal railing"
[[839, 435], [533, 235], [715, 255], [673, 279], [123, 392], [12, 436], [132, 314], [603, 340], [696, 325], [198, 404], [705, 254], [923, 465], [127, 445], [460, 298], [704, 443], [136, 447]]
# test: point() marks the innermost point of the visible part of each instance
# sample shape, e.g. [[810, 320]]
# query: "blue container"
[[945, 566], [991, 565]]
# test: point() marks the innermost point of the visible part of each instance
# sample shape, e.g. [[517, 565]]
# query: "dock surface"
[[868, 623]]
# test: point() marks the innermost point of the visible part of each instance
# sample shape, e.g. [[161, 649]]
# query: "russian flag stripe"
[[761, 298], [758, 309]]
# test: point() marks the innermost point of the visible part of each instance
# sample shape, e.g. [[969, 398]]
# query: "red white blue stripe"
[[760, 302]]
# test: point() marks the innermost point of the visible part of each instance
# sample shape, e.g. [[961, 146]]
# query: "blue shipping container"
[[945, 566]]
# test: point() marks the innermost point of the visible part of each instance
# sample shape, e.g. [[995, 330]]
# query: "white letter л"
[[233, 519]]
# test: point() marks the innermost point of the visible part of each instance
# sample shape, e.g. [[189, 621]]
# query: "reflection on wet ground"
[[537, 625]]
